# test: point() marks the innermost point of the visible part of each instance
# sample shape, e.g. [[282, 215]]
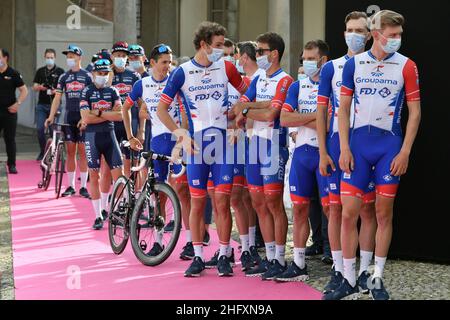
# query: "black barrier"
[[421, 219]]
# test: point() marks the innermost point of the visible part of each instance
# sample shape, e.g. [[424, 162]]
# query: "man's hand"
[[346, 161], [240, 120], [49, 122], [143, 113], [326, 161], [14, 108], [293, 136], [190, 146], [81, 125], [135, 144], [400, 164], [41, 88], [238, 108]]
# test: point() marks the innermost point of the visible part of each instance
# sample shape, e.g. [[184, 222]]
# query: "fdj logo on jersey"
[[368, 91], [216, 96]]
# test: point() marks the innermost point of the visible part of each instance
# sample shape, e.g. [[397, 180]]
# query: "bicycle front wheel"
[[119, 215], [47, 174], [151, 245], [59, 168]]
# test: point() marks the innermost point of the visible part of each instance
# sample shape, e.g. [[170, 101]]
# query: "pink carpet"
[[58, 256]]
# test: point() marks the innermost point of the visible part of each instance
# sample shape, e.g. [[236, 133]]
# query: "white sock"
[[245, 242], [159, 237], [270, 250], [104, 197], [337, 261], [350, 271], [280, 252], [83, 178], [198, 249], [71, 179], [299, 257], [188, 235], [379, 267], [223, 250], [96, 204], [365, 260], [252, 236], [229, 250]]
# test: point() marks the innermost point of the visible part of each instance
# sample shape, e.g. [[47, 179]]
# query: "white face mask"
[[239, 67], [311, 68], [50, 62], [392, 45], [101, 81], [71, 63], [355, 41], [136, 65], [120, 62], [302, 76], [216, 55], [263, 63]]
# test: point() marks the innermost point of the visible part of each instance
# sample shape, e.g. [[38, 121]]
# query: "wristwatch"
[[245, 112]]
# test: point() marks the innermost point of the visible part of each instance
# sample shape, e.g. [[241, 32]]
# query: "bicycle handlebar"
[[147, 156]]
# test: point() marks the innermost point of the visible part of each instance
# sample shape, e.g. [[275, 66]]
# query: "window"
[[225, 12]]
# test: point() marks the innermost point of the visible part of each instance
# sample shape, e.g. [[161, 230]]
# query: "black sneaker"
[[246, 261], [105, 215], [69, 192], [188, 252], [334, 283], [313, 250], [259, 269], [84, 193], [12, 169], [379, 291], [156, 250], [327, 259], [293, 274], [362, 282], [224, 268], [255, 255], [195, 269], [344, 292], [212, 264], [170, 226], [98, 224], [275, 269], [206, 239]]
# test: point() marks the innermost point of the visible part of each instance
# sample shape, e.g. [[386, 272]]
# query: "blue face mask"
[[302, 76], [263, 63], [392, 45], [101, 81], [49, 62], [135, 65], [311, 68], [215, 55], [71, 63], [355, 42], [120, 62]]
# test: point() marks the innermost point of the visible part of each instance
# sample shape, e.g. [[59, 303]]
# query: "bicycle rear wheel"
[[47, 174], [119, 215], [148, 221], [59, 168]]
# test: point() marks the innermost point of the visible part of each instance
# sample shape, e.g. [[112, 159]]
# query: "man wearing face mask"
[[202, 82], [72, 84], [299, 111], [378, 80], [137, 59], [100, 107], [268, 152], [356, 36], [45, 82]]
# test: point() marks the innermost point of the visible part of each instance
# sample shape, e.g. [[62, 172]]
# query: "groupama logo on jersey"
[[101, 105], [74, 86], [123, 88]]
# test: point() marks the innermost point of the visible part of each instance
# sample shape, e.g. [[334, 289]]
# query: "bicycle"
[[131, 217], [54, 159]]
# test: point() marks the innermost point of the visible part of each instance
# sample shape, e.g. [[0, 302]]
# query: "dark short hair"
[[156, 53], [274, 40], [50, 51], [206, 31], [228, 43], [5, 53], [356, 15], [249, 48], [324, 48]]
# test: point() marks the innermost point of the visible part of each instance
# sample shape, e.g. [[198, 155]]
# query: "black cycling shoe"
[[206, 239], [170, 226], [313, 250], [275, 269], [84, 193], [69, 192], [378, 292], [246, 261], [188, 252], [327, 259], [335, 281], [211, 264], [98, 224], [156, 250], [105, 215], [224, 268], [293, 274], [260, 269], [195, 269], [255, 255]]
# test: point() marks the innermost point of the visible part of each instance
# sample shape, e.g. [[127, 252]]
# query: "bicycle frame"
[[56, 140]]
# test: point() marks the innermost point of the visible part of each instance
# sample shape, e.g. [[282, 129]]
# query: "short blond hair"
[[386, 18]]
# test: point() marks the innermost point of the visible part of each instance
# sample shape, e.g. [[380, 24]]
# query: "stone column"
[[286, 18], [7, 25], [125, 21]]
